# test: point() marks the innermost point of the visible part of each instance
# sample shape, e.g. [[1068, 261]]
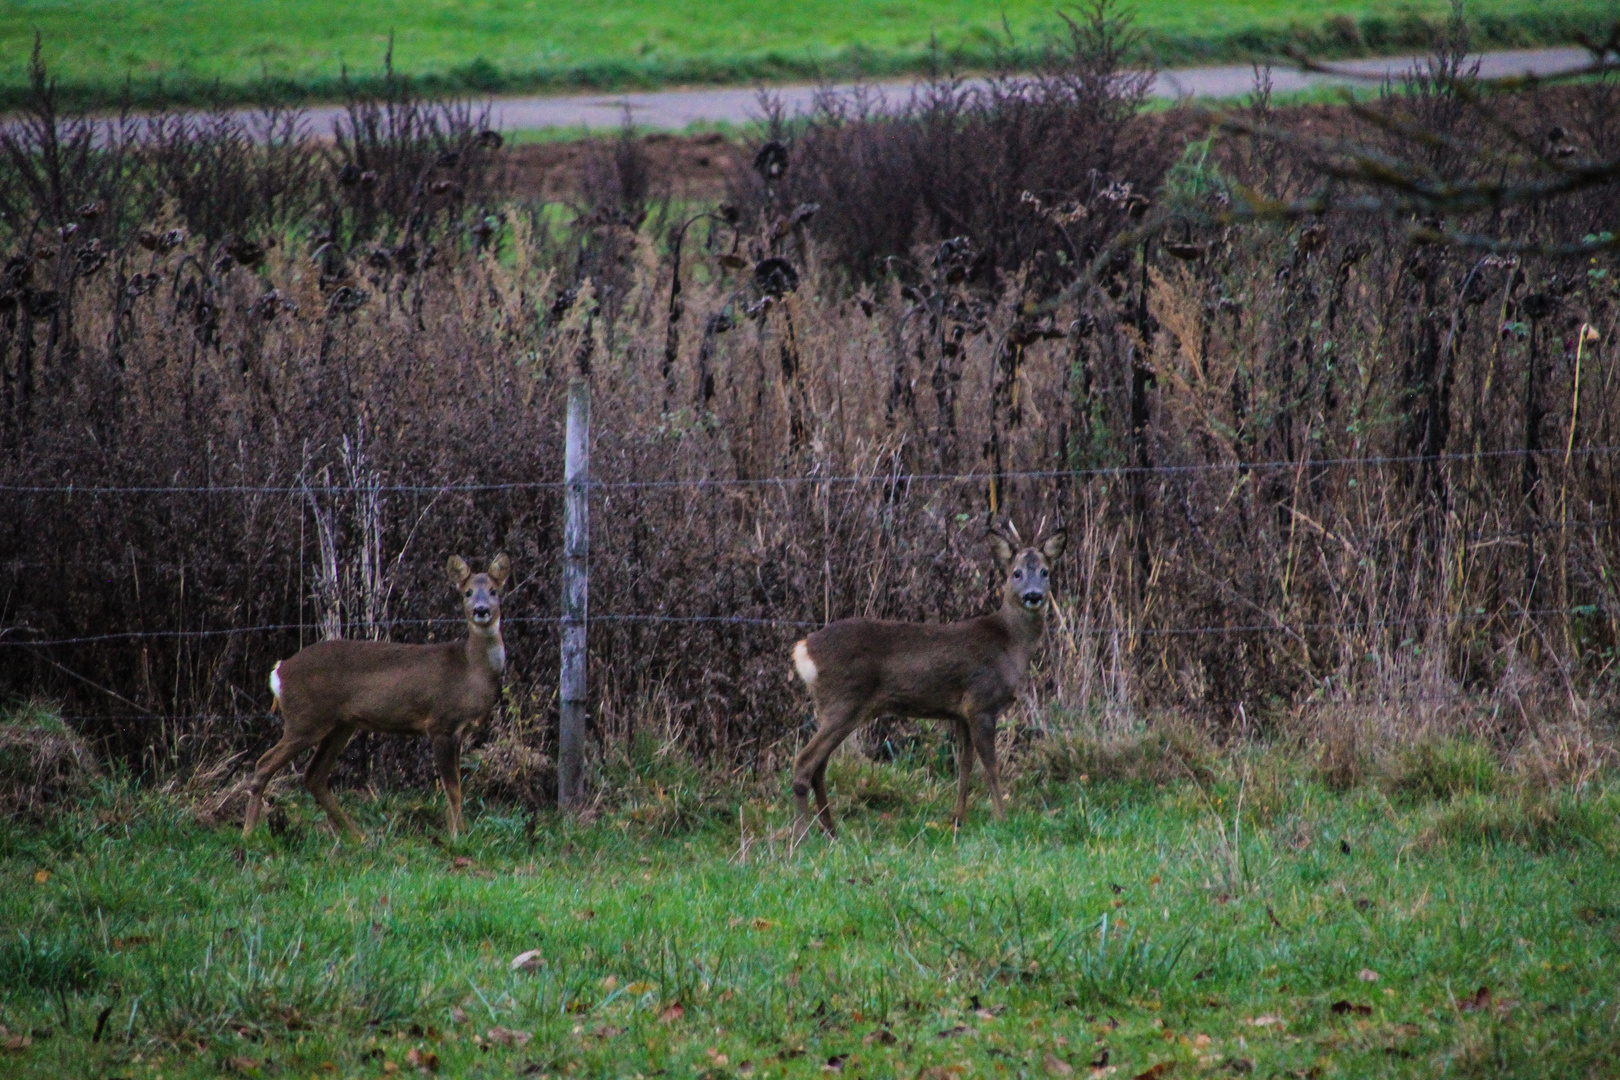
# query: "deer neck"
[[485, 649], [1024, 625]]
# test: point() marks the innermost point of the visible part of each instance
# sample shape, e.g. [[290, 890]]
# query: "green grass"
[[188, 50], [1149, 921]]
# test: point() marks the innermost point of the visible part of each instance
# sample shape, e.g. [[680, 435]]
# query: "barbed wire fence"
[[18, 636]]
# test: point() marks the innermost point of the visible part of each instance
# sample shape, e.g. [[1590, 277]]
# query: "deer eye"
[[1017, 574], [468, 594], [1043, 572]]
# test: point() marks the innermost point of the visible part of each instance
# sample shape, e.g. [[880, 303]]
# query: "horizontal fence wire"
[[794, 481], [147, 566], [1277, 626]]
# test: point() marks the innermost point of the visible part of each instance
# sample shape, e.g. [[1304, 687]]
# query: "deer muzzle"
[[1033, 599]]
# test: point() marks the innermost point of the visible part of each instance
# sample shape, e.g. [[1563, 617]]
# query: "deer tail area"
[[275, 687], [805, 665]]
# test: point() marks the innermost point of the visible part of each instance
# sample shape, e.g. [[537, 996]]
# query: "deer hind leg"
[[964, 770], [447, 755], [984, 740], [818, 781], [319, 773], [810, 766], [274, 760]]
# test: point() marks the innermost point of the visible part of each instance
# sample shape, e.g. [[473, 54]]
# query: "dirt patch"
[[694, 167]]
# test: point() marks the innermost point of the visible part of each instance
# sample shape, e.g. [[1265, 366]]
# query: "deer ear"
[[1055, 545], [1003, 550], [499, 568], [458, 570]]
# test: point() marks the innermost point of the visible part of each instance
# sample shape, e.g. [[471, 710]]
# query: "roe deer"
[[964, 672], [329, 690]]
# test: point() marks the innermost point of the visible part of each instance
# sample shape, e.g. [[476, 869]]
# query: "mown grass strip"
[[1110, 923]]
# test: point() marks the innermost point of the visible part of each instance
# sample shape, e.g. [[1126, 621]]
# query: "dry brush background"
[[1321, 483]]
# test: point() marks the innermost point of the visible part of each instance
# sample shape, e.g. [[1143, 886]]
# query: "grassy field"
[[1448, 922], [185, 49]]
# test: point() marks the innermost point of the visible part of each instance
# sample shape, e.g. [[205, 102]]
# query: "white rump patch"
[[802, 661], [275, 683]]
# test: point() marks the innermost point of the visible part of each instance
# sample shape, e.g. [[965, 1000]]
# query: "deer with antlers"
[[966, 673], [330, 690]]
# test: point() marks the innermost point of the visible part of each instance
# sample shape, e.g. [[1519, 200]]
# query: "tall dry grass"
[[1292, 460]]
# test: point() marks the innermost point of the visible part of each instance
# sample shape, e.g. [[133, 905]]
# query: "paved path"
[[672, 110]]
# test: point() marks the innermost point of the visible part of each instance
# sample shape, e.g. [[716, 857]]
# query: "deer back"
[[384, 687], [930, 670]]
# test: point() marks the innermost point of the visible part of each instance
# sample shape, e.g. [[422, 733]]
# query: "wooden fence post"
[[576, 590]]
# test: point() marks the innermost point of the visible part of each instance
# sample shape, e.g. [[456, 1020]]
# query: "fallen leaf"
[[1367, 975], [638, 988], [1265, 1021], [1154, 880], [426, 1060], [1154, 1072], [41, 876], [121, 943], [607, 1031], [609, 982], [1339, 1008], [881, 1035], [457, 1016], [717, 1057], [461, 862], [507, 1037], [242, 1064], [16, 1043], [1201, 1041], [585, 916], [1479, 1002], [389, 1067], [527, 961], [953, 1030], [673, 1013], [1056, 1066], [762, 924]]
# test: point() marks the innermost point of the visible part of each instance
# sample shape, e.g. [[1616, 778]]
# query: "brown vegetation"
[[1317, 480]]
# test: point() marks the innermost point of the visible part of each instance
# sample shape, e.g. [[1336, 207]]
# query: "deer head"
[[480, 593], [1027, 566]]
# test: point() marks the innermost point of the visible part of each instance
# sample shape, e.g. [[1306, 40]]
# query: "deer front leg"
[[319, 772], [984, 740], [964, 770], [447, 755], [273, 761]]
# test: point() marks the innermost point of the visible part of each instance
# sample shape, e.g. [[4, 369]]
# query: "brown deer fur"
[[332, 689], [966, 673]]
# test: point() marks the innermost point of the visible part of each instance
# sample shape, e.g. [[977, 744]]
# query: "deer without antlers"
[[332, 689], [964, 672]]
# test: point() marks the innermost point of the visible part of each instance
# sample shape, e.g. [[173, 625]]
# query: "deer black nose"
[[1033, 598], [481, 611]]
